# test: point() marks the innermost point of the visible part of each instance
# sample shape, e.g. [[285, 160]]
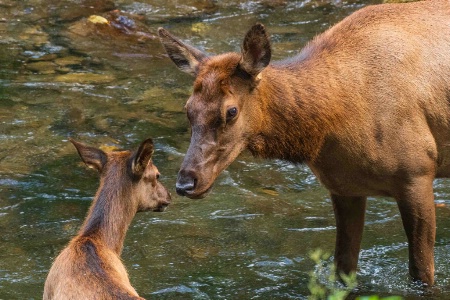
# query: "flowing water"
[[64, 75]]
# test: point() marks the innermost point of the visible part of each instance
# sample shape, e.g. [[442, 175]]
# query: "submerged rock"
[[34, 36], [114, 25], [68, 11], [42, 67], [69, 61], [85, 78], [98, 20], [112, 35]]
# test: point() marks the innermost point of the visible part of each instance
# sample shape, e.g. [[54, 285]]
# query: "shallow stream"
[[64, 75]]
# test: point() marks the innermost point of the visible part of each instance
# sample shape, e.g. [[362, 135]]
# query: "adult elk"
[[90, 266], [365, 105]]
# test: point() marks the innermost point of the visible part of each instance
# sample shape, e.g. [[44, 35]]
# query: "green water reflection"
[[63, 77]]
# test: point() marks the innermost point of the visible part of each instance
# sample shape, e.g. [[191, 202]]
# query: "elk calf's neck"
[[365, 105], [90, 266]]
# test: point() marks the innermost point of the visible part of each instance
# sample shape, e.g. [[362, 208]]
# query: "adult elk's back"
[[90, 266], [365, 105]]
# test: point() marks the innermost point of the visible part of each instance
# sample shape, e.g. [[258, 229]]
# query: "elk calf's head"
[[223, 116], [133, 171]]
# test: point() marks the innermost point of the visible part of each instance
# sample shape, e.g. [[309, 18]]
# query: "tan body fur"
[[365, 105]]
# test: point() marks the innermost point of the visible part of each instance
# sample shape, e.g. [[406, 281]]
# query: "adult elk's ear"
[[185, 57], [142, 157], [256, 51], [92, 157]]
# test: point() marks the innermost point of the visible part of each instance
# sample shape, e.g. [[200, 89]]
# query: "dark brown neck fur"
[[110, 214]]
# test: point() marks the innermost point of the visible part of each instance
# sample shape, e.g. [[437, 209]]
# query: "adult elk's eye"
[[231, 113]]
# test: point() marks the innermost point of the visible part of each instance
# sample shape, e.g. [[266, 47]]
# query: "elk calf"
[[90, 266], [366, 105]]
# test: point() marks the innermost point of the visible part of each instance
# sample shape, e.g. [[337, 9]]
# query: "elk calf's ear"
[[142, 157], [185, 57], [92, 157], [256, 51]]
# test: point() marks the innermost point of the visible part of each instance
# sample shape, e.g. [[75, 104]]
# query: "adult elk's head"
[[223, 109]]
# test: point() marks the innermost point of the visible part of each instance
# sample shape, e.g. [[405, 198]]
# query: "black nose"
[[185, 183]]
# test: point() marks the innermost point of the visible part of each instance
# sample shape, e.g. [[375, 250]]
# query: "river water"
[[64, 75]]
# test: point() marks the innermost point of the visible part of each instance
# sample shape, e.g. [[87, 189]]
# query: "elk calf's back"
[[90, 266], [365, 105]]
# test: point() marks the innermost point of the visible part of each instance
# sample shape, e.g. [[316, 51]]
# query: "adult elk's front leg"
[[349, 213], [416, 204]]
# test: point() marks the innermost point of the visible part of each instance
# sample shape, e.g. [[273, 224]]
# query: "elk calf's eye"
[[231, 113]]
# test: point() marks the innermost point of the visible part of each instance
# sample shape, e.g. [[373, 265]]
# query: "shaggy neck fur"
[[297, 116], [111, 212]]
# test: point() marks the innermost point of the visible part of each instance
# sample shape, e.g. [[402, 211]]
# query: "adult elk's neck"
[[296, 114], [112, 210]]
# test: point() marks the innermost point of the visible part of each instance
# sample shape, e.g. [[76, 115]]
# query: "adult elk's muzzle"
[[198, 170]]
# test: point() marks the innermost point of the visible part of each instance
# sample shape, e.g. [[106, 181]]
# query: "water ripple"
[[183, 289], [242, 216], [272, 264], [312, 229]]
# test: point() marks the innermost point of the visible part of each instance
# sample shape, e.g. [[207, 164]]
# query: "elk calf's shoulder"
[[90, 266], [365, 105]]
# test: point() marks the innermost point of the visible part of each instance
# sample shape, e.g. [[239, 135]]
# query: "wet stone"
[[69, 61], [63, 70], [41, 67], [111, 35], [98, 20], [115, 25], [83, 8]]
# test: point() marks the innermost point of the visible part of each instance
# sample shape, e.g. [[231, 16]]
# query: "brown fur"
[[365, 105], [90, 266]]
